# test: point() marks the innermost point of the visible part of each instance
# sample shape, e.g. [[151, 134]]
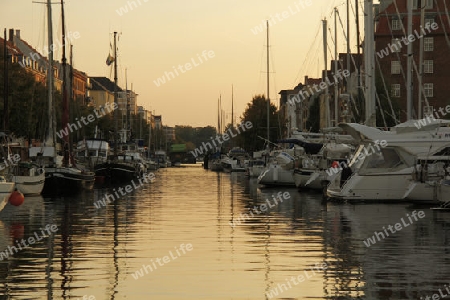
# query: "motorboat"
[[382, 166]]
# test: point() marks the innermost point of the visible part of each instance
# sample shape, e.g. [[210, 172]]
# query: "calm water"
[[179, 228]]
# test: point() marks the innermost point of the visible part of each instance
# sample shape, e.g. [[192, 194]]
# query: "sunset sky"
[[218, 43]]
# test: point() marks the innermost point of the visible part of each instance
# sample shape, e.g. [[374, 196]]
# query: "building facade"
[[430, 90]]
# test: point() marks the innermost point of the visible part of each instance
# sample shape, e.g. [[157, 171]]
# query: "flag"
[[109, 60]]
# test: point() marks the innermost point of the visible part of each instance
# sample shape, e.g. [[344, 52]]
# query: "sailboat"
[[408, 167], [60, 175], [279, 169], [214, 159], [127, 163]]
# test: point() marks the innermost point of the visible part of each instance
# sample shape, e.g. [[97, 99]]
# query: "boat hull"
[[374, 187], [65, 181], [116, 172], [275, 175], [30, 185], [6, 188]]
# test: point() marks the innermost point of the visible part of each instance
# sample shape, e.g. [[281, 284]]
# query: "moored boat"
[[382, 167], [28, 177]]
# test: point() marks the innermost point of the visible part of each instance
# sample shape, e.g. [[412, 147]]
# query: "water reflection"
[[97, 251]]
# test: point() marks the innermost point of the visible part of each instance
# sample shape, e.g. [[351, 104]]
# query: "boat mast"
[[325, 108], [220, 114], [149, 135], [409, 85], [358, 53], [348, 46], [115, 95], [419, 98], [65, 102], [336, 117], [51, 130], [268, 97], [5, 82], [369, 63], [128, 110], [232, 108]]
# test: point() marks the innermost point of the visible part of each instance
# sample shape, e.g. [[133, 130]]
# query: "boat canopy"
[[310, 148]]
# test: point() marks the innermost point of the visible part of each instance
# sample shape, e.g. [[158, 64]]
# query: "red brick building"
[[391, 40]]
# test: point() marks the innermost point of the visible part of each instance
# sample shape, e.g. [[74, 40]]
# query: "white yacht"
[[316, 171], [280, 169], [382, 167], [235, 161], [257, 164]]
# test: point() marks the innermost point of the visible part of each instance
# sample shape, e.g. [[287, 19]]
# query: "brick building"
[[391, 40]]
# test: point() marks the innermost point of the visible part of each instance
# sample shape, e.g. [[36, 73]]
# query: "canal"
[[196, 234]]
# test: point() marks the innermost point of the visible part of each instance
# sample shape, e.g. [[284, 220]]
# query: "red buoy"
[[16, 198], [335, 164]]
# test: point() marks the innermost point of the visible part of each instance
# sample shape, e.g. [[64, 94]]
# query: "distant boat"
[[257, 164], [279, 170], [162, 159], [91, 152], [235, 161]]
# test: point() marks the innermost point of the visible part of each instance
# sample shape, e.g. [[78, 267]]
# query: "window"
[[396, 46], [396, 24], [428, 89], [429, 20], [395, 67], [427, 3], [385, 158], [428, 66], [395, 90], [428, 44]]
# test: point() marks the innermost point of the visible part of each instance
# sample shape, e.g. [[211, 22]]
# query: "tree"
[[27, 99], [256, 114]]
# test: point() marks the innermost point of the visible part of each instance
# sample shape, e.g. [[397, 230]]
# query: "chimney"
[[18, 33], [11, 35]]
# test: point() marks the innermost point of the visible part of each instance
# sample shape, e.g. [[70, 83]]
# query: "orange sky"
[[207, 45]]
